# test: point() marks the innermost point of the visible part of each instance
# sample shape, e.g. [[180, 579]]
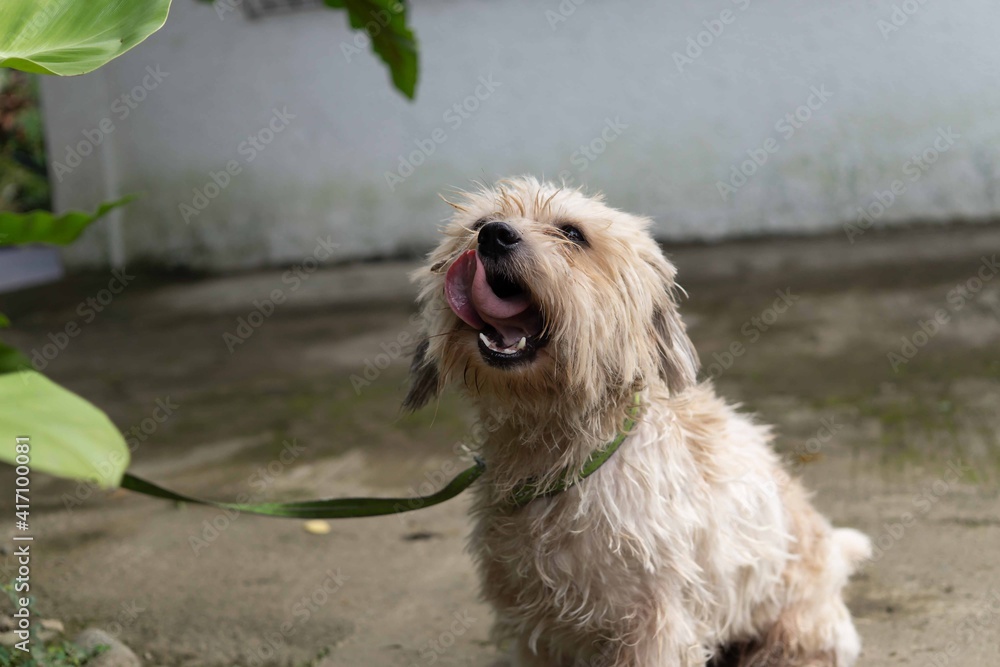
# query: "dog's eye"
[[573, 234]]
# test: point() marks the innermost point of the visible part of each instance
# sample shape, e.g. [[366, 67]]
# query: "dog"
[[690, 545]]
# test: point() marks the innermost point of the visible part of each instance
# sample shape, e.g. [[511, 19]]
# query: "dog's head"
[[540, 291]]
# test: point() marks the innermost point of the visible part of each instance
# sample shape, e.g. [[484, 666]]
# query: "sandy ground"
[[307, 406]]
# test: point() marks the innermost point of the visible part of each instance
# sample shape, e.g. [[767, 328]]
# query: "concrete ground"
[[904, 447]]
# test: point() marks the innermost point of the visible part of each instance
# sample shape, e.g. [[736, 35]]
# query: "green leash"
[[349, 508]]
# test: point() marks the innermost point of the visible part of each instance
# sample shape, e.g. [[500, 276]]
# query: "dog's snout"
[[497, 239]]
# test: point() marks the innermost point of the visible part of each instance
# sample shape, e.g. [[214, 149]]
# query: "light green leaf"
[[67, 37], [391, 38], [69, 437], [47, 227]]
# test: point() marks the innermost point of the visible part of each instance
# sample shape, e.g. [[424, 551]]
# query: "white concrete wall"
[[559, 83], [22, 267]]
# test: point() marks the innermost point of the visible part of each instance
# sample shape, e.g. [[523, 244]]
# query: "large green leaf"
[[385, 23], [69, 437], [68, 37], [47, 227]]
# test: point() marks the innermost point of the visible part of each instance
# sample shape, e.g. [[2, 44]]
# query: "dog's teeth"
[[513, 349]]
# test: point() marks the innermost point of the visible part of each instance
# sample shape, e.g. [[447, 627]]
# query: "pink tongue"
[[475, 303]]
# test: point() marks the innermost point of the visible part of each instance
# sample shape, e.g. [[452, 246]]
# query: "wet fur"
[[691, 545]]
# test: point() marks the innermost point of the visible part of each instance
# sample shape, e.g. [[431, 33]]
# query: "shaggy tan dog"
[[690, 545]]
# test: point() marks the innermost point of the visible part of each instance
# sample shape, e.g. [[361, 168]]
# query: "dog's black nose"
[[497, 239]]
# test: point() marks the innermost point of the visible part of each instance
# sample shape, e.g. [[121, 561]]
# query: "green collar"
[[348, 508], [528, 491]]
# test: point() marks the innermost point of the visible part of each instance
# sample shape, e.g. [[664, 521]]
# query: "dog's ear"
[[677, 356], [678, 360], [425, 380]]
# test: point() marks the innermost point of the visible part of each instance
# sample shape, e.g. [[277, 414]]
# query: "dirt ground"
[[905, 448]]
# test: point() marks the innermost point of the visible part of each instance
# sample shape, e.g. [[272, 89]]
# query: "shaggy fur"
[[691, 545]]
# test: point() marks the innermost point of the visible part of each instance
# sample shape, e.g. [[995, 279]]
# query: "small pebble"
[[117, 654], [53, 624]]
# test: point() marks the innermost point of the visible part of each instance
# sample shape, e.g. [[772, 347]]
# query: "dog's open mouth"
[[496, 305]]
